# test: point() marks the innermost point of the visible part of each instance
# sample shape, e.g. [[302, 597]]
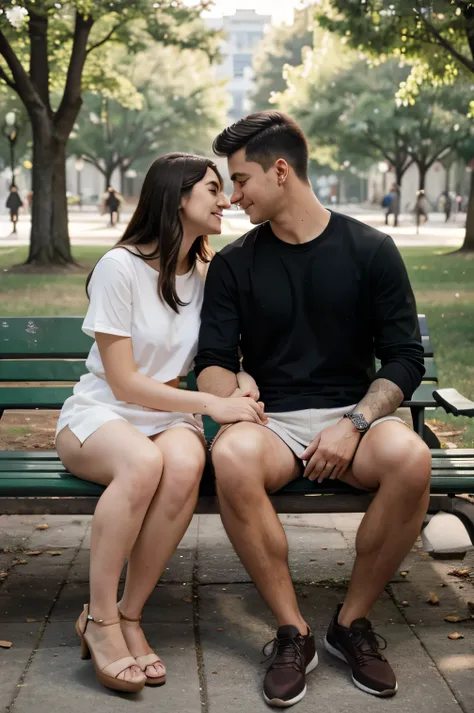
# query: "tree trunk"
[[49, 241], [122, 179], [422, 171], [469, 237]]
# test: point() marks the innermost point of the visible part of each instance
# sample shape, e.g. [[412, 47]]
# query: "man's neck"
[[302, 219]]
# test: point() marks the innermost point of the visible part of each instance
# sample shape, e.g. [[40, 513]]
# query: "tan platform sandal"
[[115, 668], [148, 660]]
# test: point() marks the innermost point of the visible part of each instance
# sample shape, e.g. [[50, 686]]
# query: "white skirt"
[[93, 404]]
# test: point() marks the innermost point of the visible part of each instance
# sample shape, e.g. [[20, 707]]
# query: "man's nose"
[[236, 196]]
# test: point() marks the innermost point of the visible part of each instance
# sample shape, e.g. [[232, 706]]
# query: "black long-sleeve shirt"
[[310, 318]]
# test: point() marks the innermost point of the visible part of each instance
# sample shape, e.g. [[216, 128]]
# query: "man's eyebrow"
[[238, 176]]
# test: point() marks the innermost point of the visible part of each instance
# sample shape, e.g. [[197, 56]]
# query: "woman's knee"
[[181, 477], [141, 476]]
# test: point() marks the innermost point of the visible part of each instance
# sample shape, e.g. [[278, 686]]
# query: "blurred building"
[[243, 31]]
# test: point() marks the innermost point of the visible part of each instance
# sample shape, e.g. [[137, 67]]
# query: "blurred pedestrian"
[[14, 203], [112, 203], [446, 204], [420, 209], [393, 204]]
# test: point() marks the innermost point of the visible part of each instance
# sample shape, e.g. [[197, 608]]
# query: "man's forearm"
[[382, 399], [217, 381]]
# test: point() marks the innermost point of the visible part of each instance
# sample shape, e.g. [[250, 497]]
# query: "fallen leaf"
[[34, 553], [459, 573], [219, 628], [433, 600], [6, 549], [3, 575], [455, 636], [405, 604], [188, 600], [53, 553], [214, 673], [21, 562], [403, 574], [42, 527], [30, 620], [452, 619], [340, 563], [5, 644]]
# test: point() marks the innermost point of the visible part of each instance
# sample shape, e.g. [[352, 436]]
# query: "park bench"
[[42, 357]]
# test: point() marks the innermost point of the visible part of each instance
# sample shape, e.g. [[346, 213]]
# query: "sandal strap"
[[103, 622], [119, 666], [148, 660]]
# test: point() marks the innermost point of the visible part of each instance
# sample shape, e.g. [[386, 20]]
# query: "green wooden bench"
[[42, 357]]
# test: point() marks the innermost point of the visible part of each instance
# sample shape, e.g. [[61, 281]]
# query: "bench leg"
[[418, 416]]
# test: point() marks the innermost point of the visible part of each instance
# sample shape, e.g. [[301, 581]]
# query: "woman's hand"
[[234, 409]]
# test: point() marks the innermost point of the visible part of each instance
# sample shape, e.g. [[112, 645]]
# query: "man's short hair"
[[266, 136]]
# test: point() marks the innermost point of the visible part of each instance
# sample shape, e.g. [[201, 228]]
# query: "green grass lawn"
[[443, 285]]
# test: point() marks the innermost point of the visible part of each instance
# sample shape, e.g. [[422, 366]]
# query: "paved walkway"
[[88, 228], [209, 624]]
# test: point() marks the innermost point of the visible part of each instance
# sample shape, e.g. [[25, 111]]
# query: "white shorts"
[[298, 428]]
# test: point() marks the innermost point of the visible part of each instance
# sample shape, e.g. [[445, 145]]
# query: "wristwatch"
[[359, 421]]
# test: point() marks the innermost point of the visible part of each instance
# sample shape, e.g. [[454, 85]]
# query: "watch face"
[[359, 421]]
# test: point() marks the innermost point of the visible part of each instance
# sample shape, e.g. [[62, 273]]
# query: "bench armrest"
[[454, 402]]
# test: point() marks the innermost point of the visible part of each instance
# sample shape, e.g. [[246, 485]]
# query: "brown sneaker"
[[292, 657], [357, 645]]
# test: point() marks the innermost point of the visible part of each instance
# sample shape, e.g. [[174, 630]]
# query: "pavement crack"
[[203, 694], [43, 626]]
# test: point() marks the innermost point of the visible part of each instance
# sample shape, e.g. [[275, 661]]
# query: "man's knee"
[[238, 457], [403, 461]]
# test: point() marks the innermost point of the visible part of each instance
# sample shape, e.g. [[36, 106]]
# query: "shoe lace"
[[367, 648], [285, 652]]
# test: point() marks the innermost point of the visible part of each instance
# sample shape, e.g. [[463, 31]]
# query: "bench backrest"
[[55, 349]]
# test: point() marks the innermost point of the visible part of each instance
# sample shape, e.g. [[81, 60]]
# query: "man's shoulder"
[[365, 235], [238, 249]]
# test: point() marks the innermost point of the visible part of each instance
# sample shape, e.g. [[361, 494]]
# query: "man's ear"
[[282, 170]]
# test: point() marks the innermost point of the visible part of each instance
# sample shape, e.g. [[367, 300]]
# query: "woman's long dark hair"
[[156, 217]]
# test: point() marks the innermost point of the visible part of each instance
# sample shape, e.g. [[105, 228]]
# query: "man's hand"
[[331, 452]]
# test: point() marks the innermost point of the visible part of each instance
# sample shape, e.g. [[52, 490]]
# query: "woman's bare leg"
[[166, 521], [120, 457]]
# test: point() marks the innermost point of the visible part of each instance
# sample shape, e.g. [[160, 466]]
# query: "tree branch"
[[39, 61], [7, 80], [443, 42], [71, 100], [106, 38], [22, 83]]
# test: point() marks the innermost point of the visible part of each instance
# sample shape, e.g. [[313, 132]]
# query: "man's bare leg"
[[249, 461], [396, 462]]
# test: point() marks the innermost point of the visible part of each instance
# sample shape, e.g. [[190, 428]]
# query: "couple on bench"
[[309, 297]]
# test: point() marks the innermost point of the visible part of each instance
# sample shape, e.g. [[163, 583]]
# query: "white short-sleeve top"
[[124, 301]]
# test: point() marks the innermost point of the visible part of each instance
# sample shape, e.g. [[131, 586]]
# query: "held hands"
[[331, 452], [236, 408], [247, 386]]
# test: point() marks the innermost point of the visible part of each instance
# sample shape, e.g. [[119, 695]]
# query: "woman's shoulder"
[[120, 256]]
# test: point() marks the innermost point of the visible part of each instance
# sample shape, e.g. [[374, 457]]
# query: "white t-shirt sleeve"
[[110, 306]]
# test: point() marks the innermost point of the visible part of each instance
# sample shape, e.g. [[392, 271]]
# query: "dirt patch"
[[28, 430]]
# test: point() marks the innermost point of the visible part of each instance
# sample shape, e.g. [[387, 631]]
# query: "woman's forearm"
[[145, 391]]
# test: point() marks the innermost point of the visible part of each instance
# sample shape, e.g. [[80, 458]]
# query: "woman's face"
[[202, 209]]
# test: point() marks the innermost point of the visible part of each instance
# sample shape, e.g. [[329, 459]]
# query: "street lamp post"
[[10, 130], [383, 168], [79, 166]]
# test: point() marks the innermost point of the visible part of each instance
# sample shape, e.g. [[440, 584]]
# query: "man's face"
[[257, 191]]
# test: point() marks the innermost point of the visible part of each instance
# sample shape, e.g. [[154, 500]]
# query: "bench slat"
[[37, 337], [42, 369], [47, 397]]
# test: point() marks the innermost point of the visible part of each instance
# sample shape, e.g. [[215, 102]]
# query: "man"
[[112, 203], [393, 207], [309, 296], [14, 203]]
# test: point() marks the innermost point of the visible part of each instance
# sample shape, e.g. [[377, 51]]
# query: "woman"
[[14, 203], [127, 425]]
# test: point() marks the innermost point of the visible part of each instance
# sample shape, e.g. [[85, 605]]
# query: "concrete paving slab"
[[13, 661], [235, 625], [24, 597], [59, 681]]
